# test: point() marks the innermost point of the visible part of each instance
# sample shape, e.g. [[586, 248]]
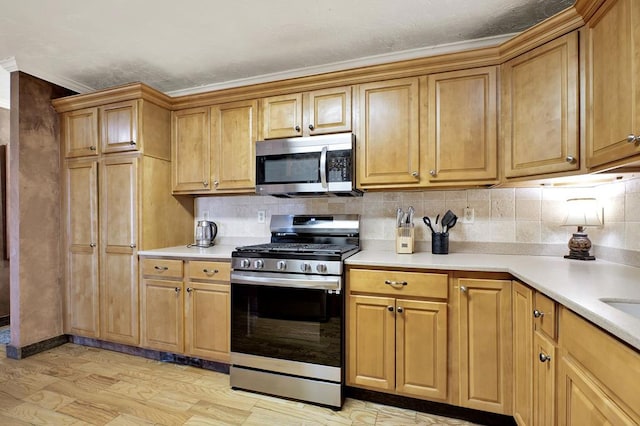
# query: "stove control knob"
[[245, 263], [305, 267], [321, 268], [281, 265], [258, 264]]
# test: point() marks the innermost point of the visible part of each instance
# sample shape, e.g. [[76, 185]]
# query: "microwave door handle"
[[323, 167]]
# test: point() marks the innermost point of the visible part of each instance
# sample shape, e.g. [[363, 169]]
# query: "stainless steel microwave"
[[307, 166]]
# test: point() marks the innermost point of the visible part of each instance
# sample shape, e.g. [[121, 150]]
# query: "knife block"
[[405, 239]]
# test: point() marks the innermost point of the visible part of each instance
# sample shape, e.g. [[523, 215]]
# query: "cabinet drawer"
[[398, 283], [547, 321], [162, 268], [204, 270]]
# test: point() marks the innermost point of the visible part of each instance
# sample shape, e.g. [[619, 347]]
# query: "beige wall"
[[523, 217], [4, 265]]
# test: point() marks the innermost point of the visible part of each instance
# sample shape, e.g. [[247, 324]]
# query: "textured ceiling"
[[172, 46]]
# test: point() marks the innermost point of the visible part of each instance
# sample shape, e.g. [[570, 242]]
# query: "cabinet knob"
[[537, 313], [205, 183], [216, 183], [311, 127], [297, 128], [544, 357], [210, 271], [433, 173], [177, 289], [400, 309], [132, 245], [132, 142], [463, 289], [632, 138], [92, 148], [92, 245], [161, 268], [570, 159], [415, 174], [390, 308], [396, 284], [189, 289]]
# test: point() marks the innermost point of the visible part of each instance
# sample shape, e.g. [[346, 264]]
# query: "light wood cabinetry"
[[388, 139], [613, 87], [482, 311], [540, 110], [462, 136], [397, 340], [598, 376], [80, 133], [186, 312], [119, 126], [306, 114], [190, 148], [522, 303]]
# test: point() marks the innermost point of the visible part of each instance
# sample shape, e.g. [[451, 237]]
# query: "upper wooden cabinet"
[[80, 133], [388, 137], [462, 137], [613, 86], [119, 126], [540, 110], [190, 150], [306, 114], [233, 137]]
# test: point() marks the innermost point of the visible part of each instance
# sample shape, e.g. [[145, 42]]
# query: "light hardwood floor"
[[78, 385]]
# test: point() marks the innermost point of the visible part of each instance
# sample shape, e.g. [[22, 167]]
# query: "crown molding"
[[9, 64], [60, 81], [350, 64]]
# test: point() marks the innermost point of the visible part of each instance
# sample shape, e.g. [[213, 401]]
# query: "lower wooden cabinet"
[[186, 313], [397, 345]]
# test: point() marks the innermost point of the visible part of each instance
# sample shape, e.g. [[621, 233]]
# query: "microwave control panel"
[[339, 166]]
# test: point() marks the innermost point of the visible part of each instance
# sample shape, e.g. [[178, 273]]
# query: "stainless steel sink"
[[631, 307]]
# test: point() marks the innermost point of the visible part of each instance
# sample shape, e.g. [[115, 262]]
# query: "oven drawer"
[[395, 283], [165, 268], [206, 270]]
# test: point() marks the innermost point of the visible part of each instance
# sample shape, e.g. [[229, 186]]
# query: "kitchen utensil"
[[451, 224], [206, 232], [427, 222], [438, 217], [399, 215], [446, 219], [411, 212]]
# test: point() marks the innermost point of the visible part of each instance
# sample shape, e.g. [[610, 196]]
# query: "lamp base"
[[579, 246]]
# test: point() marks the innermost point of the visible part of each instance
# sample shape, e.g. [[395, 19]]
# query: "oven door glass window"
[[287, 323]]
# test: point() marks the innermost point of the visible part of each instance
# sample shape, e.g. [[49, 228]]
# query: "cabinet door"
[[544, 385], [522, 299], [421, 349], [388, 134], [462, 136], [282, 116], [371, 348], [540, 104], [485, 344], [81, 272], [162, 315], [119, 124], [613, 98], [207, 314], [233, 138], [118, 255], [190, 150], [329, 111], [581, 402], [80, 133]]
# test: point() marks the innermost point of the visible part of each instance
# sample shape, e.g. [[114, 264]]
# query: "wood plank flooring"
[[78, 385]]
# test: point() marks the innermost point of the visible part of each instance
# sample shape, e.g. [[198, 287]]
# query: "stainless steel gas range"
[[287, 308]]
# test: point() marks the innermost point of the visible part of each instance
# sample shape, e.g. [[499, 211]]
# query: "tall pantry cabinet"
[[116, 200]]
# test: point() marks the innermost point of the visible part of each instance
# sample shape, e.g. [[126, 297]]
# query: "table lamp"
[[581, 212]]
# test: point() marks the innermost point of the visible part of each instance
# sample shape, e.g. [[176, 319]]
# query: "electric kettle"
[[206, 232]]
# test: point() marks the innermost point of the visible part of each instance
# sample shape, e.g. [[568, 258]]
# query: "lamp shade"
[[582, 212]]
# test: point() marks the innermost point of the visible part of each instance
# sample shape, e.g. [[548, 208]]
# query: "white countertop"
[[579, 285]]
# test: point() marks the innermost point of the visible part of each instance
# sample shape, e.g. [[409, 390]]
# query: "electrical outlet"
[[469, 215], [261, 216]]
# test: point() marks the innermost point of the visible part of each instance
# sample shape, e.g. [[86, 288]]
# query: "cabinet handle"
[[463, 289], [400, 309], [161, 268], [132, 245], [415, 174], [570, 159], [311, 127], [189, 289], [433, 173], [544, 357], [92, 148], [177, 289], [537, 313], [210, 271], [132, 142], [92, 245], [632, 138], [216, 183], [205, 183], [390, 308], [297, 128], [396, 284]]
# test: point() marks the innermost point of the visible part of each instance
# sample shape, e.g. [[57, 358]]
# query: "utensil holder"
[[405, 239], [440, 243]]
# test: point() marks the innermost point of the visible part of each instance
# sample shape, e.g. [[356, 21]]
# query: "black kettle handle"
[[215, 231]]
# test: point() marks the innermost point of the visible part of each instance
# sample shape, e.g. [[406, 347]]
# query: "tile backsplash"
[[502, 215]]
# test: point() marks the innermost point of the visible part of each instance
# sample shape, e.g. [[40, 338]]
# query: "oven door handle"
[[283, 280]]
